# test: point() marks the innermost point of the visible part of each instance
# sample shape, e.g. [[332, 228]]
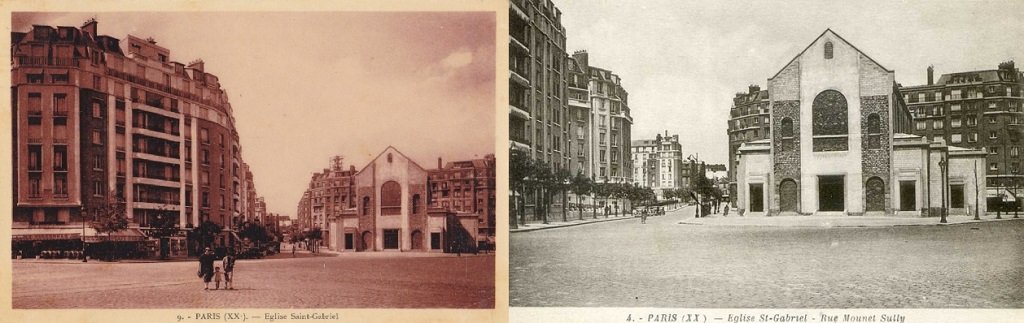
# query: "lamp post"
[[976, 215], [82, 211], [943, 166]]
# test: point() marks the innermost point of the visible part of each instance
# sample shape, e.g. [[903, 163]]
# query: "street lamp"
[[82, 213], [943, 168]]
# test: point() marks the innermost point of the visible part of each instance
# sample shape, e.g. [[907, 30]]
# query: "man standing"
[[206, 266], [229, 267]]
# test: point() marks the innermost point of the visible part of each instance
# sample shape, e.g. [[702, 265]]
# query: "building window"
[[993, 167], [874, 131], [828, 50], [60, 184], [204, 135], [97, 162], [97, 189], [366, 205], [921, 125], [60, 158], [993, 135], [415, 203], [955, 138], [390, 198], [97, 137], [60, 104], [972, 137], [830, 129], [96, 112], [205, 199], [938, 124], [33, 184], [954, 123]]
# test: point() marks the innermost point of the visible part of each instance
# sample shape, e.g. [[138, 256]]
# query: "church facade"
[[840, 144], [392, 212]]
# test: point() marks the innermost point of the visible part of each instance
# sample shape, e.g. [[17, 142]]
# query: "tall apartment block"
[[748, 121], [330, 191], [975, 109], [466, 186], [537, 82], [96, 116], [579, 115], [658, 164], [609, 122]]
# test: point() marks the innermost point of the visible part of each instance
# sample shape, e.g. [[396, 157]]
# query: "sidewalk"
[[552, 225], [835, 221]]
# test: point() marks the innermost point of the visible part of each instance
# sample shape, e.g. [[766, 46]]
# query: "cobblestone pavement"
[[346, 281], [665, 264]]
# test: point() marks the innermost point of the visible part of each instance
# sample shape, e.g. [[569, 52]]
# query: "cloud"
[[459, 59]]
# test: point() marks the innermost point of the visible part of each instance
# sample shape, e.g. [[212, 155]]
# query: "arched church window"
[[828, 50], [390, 198], [829, 121]]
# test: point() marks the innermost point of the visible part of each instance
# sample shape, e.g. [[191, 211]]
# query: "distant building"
[[980, 110], [466, 186], [329, 192], [839, 145], [748, 121], [658, 164]]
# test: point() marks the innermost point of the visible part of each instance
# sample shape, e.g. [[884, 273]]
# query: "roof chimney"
[[438, 162], [754, 89], [90, 27], [931, 75]]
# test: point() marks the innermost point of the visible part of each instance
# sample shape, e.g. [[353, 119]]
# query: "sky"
[[682, 62], [306, 86]]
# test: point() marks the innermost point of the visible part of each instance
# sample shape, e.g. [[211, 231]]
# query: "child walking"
[[217, 277]]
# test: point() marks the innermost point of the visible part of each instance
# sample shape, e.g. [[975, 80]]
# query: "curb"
[[570, 225], [853, 225]]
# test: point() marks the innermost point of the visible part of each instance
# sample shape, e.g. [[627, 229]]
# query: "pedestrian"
[[229, 269], [217, 277], [726, 210], [293, 250], [206, 266], [643, 217]]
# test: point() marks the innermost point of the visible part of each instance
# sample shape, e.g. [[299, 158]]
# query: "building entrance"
[[391, 239], [908, 196], [756, 198], [830, 193]]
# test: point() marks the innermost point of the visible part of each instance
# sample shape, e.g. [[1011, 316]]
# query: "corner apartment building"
[[466, 186], [658, 164], [330, 191], [95, 115], [578, 83], [975, 109], [748, 121]]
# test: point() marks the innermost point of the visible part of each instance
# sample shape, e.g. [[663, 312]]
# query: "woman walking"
[[206, 266]]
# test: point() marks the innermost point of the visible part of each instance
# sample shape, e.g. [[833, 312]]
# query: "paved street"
[[667, 264], [358, 280]]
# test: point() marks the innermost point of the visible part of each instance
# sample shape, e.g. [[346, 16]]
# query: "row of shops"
[[66, 242]]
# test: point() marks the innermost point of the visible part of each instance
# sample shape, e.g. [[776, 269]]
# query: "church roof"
[[827, 31]]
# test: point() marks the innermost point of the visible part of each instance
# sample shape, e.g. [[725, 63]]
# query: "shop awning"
[[126, 235], [40, 234]]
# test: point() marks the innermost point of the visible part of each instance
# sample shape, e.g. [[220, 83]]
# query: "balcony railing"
[[162, 87], [46, 61]]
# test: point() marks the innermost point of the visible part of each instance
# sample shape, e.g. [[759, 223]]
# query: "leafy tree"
[[581, 185], [520, 167], [205, 232], [109, 217], [543, 182], [561, 182]]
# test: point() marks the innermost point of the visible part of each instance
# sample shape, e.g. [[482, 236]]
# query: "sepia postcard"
[[255, 162]]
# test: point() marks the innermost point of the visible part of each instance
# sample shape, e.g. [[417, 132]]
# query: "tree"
[[561, 182], [601, 190], [109, 217], [205, 232], [543, 181], [520, 166], [581, 185]]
